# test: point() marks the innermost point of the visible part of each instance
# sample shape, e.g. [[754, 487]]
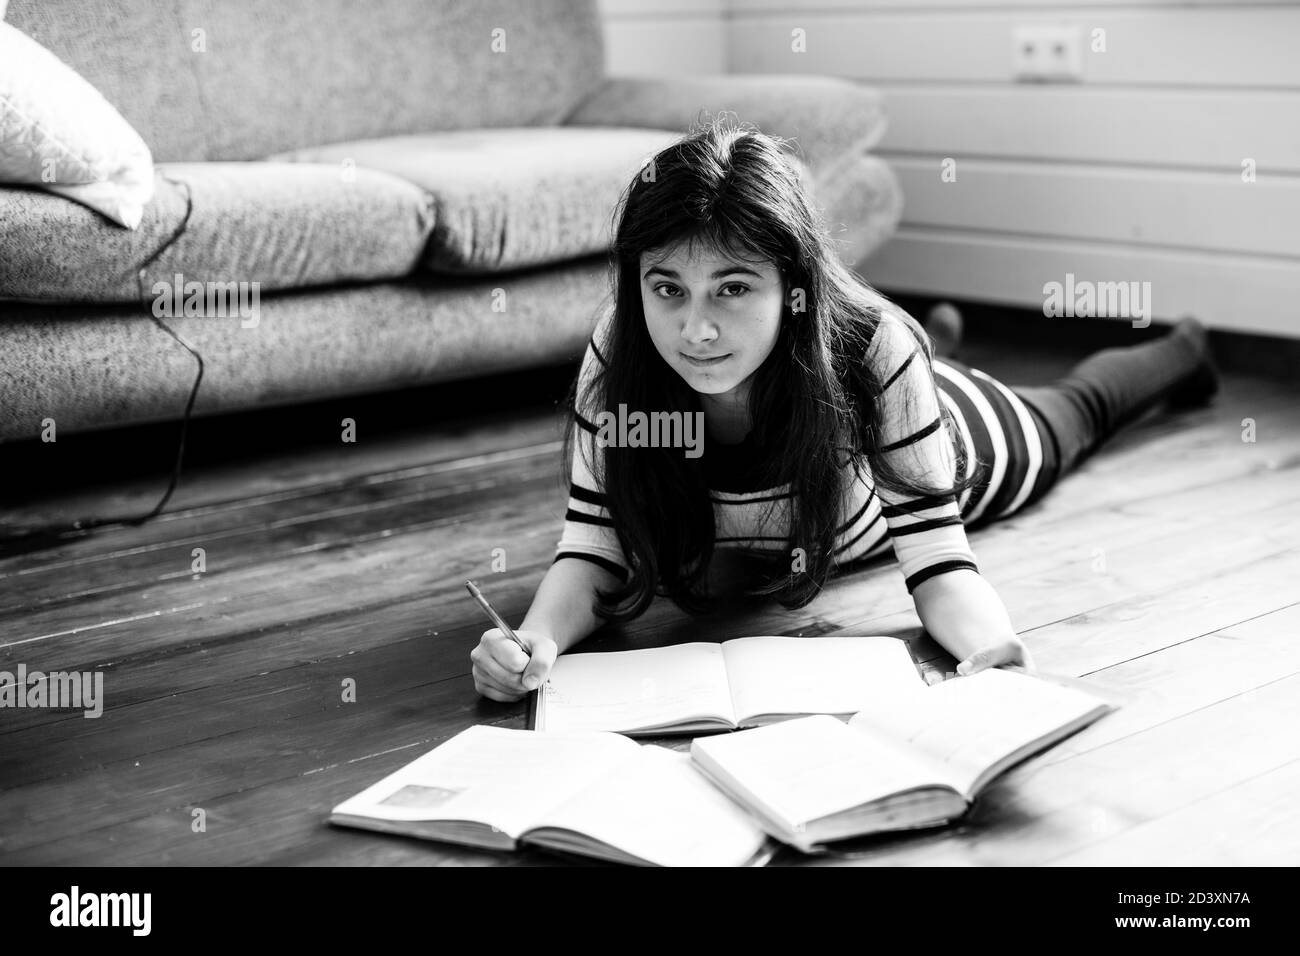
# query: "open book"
[[914, 758], [700, 687], [597, 795]]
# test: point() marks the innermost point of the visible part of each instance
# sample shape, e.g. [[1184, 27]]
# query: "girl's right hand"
[[504, 672]]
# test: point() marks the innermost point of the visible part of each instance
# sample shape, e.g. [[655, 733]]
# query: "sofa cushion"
[[862, 201], [511, 198], [59, 133], [238, 79], [98, 366], [279, 224]]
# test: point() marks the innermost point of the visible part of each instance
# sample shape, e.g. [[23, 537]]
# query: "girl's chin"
[[708, 385]]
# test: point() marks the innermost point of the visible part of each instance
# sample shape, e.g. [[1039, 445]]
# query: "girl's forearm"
[[562, 607], [962, 611]]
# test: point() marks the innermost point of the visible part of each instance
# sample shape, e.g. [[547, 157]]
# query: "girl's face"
[[713, 318]]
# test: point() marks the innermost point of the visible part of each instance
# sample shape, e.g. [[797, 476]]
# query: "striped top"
[[928, 534]]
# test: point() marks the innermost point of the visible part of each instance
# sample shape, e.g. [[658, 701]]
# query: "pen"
[[496, 618]]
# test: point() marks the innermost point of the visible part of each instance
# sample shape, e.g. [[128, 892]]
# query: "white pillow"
[[59, 133]]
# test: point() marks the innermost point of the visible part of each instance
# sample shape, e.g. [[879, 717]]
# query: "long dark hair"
[[731, 188]]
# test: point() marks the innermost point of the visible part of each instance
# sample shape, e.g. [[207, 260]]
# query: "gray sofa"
[[409, 196]]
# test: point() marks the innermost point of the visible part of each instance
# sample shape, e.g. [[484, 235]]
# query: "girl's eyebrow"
[[732, 270]]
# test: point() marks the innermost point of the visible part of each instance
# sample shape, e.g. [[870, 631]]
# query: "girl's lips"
[[706, 362]]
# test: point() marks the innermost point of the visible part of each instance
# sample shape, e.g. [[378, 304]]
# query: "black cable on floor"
[[185, 425], [90, 523]]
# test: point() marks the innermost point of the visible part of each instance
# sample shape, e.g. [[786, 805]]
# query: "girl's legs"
[[1114, 387], [1027, 449]]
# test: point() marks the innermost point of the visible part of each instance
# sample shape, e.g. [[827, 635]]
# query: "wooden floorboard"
[[1165, 573]]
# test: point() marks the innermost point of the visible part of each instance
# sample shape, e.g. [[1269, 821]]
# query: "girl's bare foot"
[[1201, 386], [944, 325]]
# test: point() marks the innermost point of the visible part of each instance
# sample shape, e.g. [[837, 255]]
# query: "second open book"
[[909, 758]]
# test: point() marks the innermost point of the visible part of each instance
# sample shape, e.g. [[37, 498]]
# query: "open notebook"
[[597, 795], [701, 687], [913, 758]]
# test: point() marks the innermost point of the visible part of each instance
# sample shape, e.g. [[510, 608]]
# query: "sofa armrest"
[[828, 119]]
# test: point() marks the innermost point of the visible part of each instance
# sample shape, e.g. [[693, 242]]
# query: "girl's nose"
[[698, 327]]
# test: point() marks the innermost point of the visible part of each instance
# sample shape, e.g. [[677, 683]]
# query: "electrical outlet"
[[1047, 53]]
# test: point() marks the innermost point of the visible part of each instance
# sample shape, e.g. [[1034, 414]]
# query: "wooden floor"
[[1166, 573]]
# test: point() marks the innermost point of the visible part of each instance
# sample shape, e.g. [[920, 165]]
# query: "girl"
[[832, 432]]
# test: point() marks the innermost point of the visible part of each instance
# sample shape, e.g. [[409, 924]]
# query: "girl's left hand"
[[1010, 653]]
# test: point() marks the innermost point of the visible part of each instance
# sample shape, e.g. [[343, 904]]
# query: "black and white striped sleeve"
[[588, 530], [927, 532]]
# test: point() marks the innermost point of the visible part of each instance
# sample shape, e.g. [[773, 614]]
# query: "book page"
[[968, 724], [492, 775], [623, 691], [811, 767], [661, 809], [814, 675]]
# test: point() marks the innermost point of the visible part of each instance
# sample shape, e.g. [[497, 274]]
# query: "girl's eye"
[[740, 287]]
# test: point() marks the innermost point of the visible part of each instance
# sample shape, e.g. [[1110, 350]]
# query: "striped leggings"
[[1029, 437]]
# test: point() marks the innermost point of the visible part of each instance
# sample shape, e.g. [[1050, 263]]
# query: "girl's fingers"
[[539, 665], [980, 660], [498, 665], [1012, 655], [492, 671], [489, 686], [488, 666], [492, 692], [507, 655]]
